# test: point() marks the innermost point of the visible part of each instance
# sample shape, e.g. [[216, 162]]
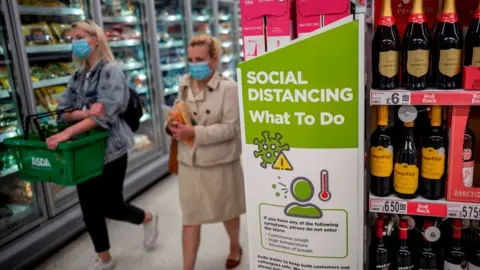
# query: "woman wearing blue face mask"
[[99, 94], [209, 173]]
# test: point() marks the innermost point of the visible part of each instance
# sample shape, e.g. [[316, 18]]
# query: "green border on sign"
[[323, 257]]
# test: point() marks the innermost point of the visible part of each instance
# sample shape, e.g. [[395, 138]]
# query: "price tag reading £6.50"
[[464, 211], [386, 206], [390, 98]]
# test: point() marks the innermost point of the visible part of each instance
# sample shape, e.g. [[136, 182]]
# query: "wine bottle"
[[472, 41], [454, 256], [474, 258], [447, 49], [379, 255], [468, 156], [428, 256], [386, 50], [432, 175], [381, 156], [416, 49], [405, 176], [404, 254]]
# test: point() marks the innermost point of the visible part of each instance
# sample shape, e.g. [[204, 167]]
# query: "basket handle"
[[34, 118]]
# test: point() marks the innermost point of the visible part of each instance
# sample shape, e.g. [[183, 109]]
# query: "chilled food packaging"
[[62, 32], [38, 34], [142, 143]]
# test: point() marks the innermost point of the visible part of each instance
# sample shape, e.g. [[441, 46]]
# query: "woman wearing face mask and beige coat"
[[209, 173]]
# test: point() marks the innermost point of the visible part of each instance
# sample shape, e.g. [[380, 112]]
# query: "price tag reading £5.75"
[[390, 98], [387, 206], [464, 211]]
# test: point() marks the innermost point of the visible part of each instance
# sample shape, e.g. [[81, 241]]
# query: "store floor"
[[126, 240]]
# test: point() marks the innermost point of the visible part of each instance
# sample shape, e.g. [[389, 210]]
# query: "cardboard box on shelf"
[[314, 14], [463, 183], [266, 25]]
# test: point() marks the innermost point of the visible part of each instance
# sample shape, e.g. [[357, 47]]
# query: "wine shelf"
[[425, 97], [423, 207]]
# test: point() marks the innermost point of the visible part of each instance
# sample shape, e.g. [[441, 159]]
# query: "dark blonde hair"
[[214, 47]]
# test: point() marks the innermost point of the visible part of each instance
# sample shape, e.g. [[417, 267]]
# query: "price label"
[[464, 211], [386, 206], [390, 98]]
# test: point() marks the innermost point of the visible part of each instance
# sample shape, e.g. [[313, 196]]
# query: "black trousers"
[[102, 197]]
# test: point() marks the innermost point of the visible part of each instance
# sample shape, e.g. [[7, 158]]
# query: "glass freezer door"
[[125, 25], [172, 39], [202, 16], [228, 36], [47, 51], [22, 204]]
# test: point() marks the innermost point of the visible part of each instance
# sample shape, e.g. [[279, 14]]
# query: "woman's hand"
[[182, 132], [97, 109], [53, 141]]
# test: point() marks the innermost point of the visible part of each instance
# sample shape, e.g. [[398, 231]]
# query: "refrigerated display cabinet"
[[172, 41], [227, 32], [126, 28]]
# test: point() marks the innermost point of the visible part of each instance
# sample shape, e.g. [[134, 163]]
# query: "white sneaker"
[[150, 232], [101, 265]]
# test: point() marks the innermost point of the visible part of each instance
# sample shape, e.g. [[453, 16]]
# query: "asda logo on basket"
[[41, 162]]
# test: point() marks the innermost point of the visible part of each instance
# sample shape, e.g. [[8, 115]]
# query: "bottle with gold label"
[[386, 51], [405, 175], [381, 156], [434, 152], [472, 41], [416, 49], [447, 49]]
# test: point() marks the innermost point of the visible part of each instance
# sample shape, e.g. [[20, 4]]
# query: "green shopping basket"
[[73, 162]]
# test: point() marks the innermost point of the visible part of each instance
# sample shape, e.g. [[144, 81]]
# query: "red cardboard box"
[[314, 14]]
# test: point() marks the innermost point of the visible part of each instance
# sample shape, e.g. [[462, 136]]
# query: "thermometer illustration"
[[324, 195]]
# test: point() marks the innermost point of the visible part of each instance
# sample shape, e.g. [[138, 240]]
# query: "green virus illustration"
[[269, 148]]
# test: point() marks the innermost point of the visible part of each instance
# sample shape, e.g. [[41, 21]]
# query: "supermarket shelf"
[[225, 31], [226, 58], [171, 44], [226, 44], [133, 66], [425, 97], [55, 48], [50, 11], [201, 18], [51, 82], [4, 93], [224, 17], [170, 91], [227, 73], [172, 66], [121, 19], [7, 135], [423, 207], [125, 43], [170, 18]]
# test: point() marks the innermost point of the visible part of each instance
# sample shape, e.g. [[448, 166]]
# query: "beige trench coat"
[[210, 174]]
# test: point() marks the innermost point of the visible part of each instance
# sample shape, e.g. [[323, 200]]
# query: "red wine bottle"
[[428, 257], [472, 41], [416, 49], [468, 156], [447, 49], [454, 256], [386, 51], [379, 255], [405, 176], [404, 254], [432, 175], [474, 258], [381, 156]]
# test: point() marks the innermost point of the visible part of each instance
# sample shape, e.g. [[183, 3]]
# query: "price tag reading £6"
[[390, 98], [464, 211], [386, 206]]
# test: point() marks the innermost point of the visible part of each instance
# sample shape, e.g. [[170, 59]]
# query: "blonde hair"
[[214, 47], [103, 49]]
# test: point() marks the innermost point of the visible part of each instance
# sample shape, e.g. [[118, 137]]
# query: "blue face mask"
[[81, 49], [199, 71]]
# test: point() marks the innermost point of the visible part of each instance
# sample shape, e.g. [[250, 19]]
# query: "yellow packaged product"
[[38, 34], [62, 32]]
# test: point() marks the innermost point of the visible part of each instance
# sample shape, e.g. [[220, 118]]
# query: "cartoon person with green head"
[[302, 190]]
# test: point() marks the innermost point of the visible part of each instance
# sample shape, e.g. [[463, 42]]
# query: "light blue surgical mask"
[[81, 48], [200, 71]]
